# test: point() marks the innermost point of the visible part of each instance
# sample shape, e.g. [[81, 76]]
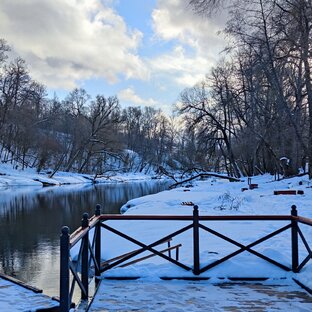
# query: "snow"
[[142, 295], [216, 197], [16, 298], [10, 177]]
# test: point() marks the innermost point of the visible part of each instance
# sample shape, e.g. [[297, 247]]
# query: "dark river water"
[[31, 220]]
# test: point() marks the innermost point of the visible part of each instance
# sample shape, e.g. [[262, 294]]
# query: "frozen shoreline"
[[29, 177]]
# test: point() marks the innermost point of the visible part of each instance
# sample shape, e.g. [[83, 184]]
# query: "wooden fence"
[[87, 263]]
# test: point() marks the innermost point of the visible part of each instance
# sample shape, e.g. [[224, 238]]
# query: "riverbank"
[[31, 219], [10, 177]]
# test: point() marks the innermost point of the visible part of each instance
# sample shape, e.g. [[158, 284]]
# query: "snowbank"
[[216, 197], [10, 177]]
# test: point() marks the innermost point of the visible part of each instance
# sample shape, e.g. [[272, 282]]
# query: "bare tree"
[[206, 7], [209, 115]]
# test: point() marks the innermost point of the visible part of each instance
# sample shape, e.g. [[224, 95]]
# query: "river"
[[31, 219]]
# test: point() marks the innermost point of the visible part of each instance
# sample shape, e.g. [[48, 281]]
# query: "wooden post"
[[196, 240], [85, 257], [294, 240], [64, 270], [98, 242]]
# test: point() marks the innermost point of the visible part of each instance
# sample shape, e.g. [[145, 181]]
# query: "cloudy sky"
[[144, 51]]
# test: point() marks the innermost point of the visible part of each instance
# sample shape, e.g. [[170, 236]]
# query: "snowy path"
[[193, 296]]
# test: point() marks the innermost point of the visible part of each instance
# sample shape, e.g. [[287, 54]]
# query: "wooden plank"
[[106, 262], [81, 232], [20, 283], [285, 192], [184, 278], [201, 218], [150, 256], [304, 220]]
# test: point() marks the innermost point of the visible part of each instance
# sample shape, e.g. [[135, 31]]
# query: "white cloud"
[[65, 41], [184, 70], [129, 95], [174, 20]]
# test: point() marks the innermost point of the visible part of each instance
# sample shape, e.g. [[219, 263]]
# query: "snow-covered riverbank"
[[29, 177], [218, 197]]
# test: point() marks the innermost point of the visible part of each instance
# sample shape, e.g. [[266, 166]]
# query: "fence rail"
[[88, 264]]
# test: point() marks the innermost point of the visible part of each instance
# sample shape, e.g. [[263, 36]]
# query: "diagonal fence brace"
[[146, 247], [244, 248]]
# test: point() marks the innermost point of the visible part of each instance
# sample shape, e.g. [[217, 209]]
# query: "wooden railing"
[[87, 264]]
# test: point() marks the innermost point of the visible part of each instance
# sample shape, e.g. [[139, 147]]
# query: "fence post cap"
[[294, 210], [195, 207], [97, 210], [85, 220], [65, 230]]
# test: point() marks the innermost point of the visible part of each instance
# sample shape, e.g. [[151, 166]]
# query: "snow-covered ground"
[[216, 197], [16, 298], [29, 177], [200, 296]]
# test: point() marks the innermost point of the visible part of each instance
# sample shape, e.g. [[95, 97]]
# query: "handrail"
[[89, 256], [108, 217], [82, 231], [305, 220]]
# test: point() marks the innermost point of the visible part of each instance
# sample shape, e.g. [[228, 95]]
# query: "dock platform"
[[197, 296], [17, 296]]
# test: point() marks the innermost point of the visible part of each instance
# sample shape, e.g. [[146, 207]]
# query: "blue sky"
[[144, 51]]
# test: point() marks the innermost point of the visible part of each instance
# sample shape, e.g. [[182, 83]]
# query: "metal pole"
[[64, 270], [196, 240], [98, 242], [85, 257], [294, 240]]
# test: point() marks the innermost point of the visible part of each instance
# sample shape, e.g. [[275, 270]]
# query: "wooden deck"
[[18, 296], [195, 296]]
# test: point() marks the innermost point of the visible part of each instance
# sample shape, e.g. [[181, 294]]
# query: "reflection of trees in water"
[[30, 222]]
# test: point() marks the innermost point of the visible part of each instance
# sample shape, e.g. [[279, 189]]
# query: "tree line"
[[80, 133], [253, 112]]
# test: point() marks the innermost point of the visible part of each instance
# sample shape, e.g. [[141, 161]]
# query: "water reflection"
[[31, 219]]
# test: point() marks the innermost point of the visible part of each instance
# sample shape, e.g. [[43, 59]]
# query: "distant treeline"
[[80, 133]]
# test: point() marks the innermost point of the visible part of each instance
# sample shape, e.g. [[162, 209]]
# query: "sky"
[[144, 51]]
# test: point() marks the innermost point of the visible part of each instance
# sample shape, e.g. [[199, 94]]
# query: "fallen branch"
[[206, 174], [163, 171]]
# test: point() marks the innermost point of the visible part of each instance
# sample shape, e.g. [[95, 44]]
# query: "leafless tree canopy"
[[256, 107], [206, 7]]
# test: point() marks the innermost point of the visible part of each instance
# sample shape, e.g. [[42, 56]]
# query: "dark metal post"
[[64, 270], [98, 242], [85, 257], [294, 240], [196, 240]]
